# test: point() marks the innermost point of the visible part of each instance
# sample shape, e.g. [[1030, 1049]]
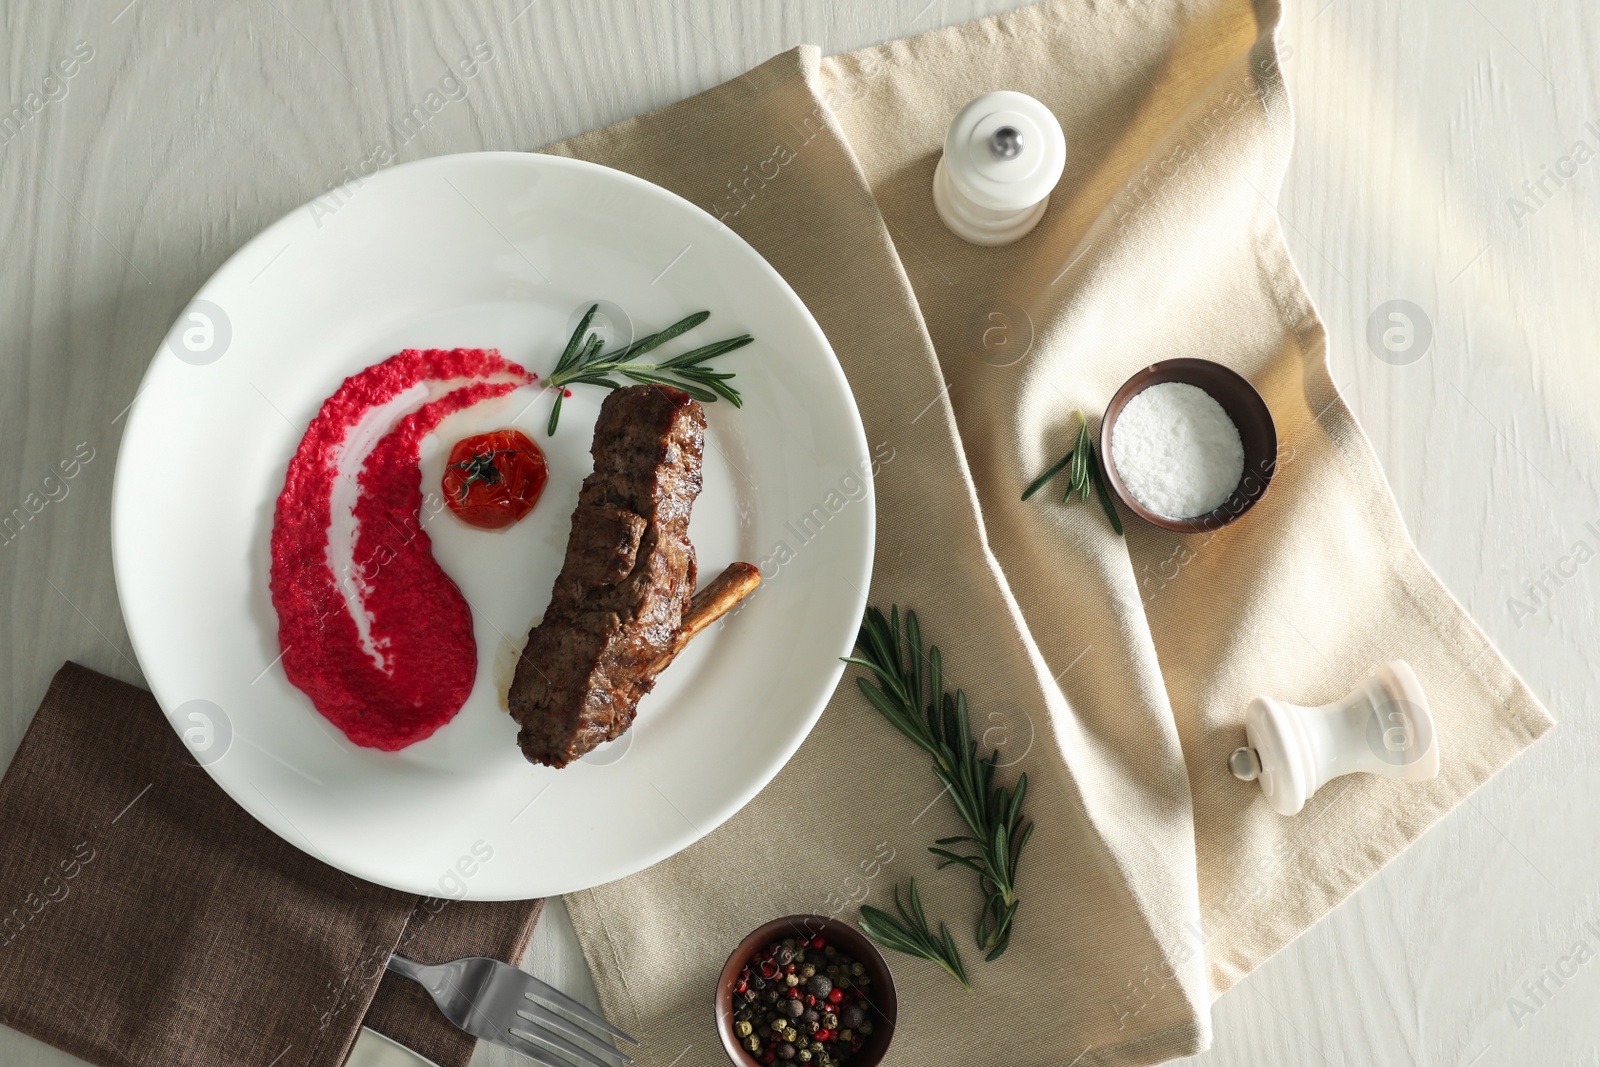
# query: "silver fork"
[[498, 1003]]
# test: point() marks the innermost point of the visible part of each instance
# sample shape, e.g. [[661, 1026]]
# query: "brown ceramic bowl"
[[852, 942], [1244, 406]]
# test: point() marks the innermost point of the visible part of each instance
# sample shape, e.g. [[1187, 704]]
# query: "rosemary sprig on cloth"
[[910, 934], [910, 694], [1085, 472]]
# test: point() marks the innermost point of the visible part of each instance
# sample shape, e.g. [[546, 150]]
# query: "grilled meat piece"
[[619, 602]]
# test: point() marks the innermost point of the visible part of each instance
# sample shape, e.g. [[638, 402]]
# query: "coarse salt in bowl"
[[1188, 445], [1177, 451]]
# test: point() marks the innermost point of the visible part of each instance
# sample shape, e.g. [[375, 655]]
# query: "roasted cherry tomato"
[[494, 479]]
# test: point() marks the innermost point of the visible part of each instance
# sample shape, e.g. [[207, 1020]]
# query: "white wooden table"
[[185, 128]]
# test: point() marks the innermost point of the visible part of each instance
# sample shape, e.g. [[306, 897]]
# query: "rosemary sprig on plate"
[[1084, 472], [910, 694], [910, 934], [583, 363]]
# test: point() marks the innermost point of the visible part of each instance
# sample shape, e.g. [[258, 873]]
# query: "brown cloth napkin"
[[1114, 671], [148, 921]]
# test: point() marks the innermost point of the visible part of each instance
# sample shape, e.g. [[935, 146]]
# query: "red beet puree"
[[372, 630]]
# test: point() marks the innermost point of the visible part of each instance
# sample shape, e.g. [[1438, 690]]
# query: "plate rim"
[[122, 506]]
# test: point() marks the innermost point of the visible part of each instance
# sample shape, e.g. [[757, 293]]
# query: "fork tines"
[[547, 1026], [553, 1028], [536, 991]]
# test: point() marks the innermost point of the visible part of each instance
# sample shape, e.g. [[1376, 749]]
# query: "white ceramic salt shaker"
[[1003, 154], [1382, 727]]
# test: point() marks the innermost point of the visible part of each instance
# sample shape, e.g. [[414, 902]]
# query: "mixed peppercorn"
[[802, 1001]]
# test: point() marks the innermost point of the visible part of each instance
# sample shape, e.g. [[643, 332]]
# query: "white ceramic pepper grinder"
[[1382, 727], [1003, 154]]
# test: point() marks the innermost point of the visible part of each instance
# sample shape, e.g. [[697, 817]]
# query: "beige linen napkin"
[[1115, 672]]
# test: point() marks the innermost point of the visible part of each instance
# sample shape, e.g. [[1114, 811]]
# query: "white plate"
[[373, 1049], [492, 250]]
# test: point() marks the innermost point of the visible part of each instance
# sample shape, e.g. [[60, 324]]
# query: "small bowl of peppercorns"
[[806, 990]]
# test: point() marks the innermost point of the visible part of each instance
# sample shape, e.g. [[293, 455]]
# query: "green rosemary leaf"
[[729, 393], [939, 705], [916, 906], [649, 377], [919, 665], [872, 666], [700, 355], [1077, 473], [555, 417], [1014, 810], [963, 861], [1039, 482], [1001, 937], [1105, 500], [712, 381], [656, 340], [575, 340], [1087, 448], [703, 374], [1022, 841]]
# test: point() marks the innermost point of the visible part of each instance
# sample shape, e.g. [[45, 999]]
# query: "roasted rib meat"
[[619, 602], [720, 596]]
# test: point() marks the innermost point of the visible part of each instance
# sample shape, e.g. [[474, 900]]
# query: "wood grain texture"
[[185, 129]]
